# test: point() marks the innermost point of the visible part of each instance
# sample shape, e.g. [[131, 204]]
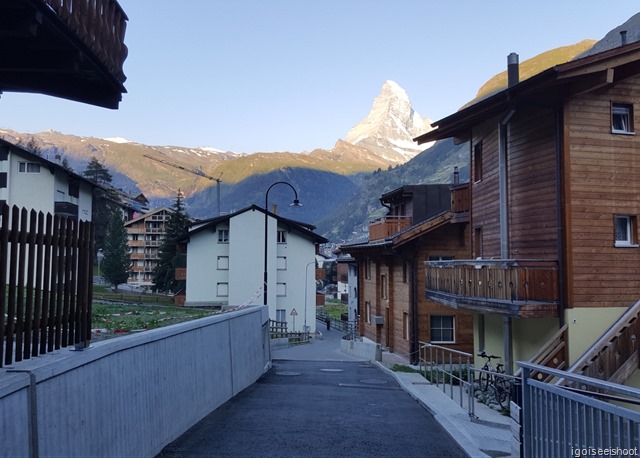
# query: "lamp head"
[[296, 203]]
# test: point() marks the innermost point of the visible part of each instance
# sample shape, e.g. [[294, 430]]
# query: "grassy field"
[[335, 308], [116, 313]]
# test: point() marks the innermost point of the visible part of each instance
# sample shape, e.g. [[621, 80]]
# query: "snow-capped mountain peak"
[[391, 125]]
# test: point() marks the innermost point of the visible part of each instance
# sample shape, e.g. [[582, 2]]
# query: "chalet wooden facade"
[[393, 309], [555, 198]]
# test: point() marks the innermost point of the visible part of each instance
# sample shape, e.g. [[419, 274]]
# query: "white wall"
[[246, 258], [30, 190], [202, 272], [133, 395], [299, 252]]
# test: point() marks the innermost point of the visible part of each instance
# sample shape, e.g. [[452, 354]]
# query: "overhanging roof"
[[303, 228], [574, 77], [69, 50]]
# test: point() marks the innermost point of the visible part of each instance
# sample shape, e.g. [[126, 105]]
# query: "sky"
[[296, 75]]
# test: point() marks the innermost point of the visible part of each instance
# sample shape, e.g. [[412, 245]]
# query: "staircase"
[[553, 354], [614, 357]]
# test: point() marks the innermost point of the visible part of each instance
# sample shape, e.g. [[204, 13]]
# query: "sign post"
[[294, 314]]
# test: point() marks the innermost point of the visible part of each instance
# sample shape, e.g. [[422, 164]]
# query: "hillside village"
[[506, 230]]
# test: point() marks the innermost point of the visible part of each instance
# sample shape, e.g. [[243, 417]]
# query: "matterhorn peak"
[[391, 125]]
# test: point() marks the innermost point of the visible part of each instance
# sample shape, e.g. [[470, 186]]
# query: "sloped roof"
[[406, 235], [581, 75], [303, 228], [53, 166]]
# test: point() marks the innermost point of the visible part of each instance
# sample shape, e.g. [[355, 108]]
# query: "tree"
[[116, 263], [104, 205], [30, 145], [169, 253], [97, 172]]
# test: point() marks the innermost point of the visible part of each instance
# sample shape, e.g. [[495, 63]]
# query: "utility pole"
[[195, 171]]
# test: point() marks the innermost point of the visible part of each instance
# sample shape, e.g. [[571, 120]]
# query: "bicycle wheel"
[[502, 392], [484, 380]]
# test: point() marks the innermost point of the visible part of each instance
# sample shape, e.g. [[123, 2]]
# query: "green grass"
[[335, 308], [127, 311], [118, 318]]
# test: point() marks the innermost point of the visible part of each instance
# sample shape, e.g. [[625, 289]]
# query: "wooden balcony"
[[518, 288], [461, 201], [73, 49], [385, 227]]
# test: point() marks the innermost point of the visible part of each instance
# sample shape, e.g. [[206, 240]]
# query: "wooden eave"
[[421, 229], [40, 54], [575, 77]]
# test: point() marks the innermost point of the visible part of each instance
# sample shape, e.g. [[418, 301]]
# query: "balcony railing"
[[66, 209], [460, 198], [387, 226], [519, 288], [100, 25]]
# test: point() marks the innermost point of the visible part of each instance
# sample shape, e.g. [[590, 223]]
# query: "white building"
[[225, 265], [32, 182], [348, 283]]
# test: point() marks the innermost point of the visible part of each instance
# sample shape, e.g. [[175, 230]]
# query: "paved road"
[[318, 408]]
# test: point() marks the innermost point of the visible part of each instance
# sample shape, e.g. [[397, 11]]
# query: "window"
[[477, 162], [405, 272], [442, 329], [281, 263], [222, 289], [367, 311], [621, 118], [384, 287], [223, 262], [281, 315], [28, 167], [626, 228], [223, 236], [367, 269], [282, 236], [281, 289], [405, 326]]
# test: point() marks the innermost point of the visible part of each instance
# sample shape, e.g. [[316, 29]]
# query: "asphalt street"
[[331, 405]]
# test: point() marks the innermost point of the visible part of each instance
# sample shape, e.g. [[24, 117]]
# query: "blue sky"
[[295, 75]]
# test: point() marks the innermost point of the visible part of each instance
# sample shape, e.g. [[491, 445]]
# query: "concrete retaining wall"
[[132, 395], [360, 348]]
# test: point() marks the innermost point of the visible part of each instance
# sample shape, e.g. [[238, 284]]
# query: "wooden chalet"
[[554, 203], [72, 49], [393, 310]]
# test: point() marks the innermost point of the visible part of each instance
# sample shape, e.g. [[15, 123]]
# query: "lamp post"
[[296, 203], [306, 282]]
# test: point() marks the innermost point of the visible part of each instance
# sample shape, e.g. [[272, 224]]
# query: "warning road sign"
[[293, 313]]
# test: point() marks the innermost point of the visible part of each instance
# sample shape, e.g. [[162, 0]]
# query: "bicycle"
[[491, 380]]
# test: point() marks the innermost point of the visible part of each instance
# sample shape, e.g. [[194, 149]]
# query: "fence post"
[[525, 414]]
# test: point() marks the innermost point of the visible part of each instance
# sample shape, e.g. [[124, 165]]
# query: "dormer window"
[[621, 118]]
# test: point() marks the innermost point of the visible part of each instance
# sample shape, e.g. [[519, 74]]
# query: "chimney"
[[623, 37], [513, 69], [456, 175]]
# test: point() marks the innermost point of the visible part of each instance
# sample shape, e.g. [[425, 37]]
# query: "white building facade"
[[32, 182], [225, 265]]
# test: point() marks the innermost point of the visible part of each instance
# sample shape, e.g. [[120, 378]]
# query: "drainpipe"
[[503, 133], [560, 215]]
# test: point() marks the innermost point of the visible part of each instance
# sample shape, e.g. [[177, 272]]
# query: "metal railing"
[[455, 373], [559, 421]]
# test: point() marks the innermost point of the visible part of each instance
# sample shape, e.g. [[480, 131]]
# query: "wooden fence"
[[45, 283]]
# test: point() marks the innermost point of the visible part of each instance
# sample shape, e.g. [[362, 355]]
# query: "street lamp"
[[306, 282], [295, 203]]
